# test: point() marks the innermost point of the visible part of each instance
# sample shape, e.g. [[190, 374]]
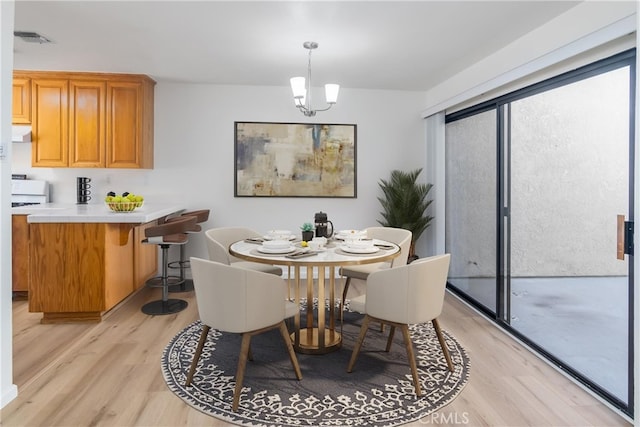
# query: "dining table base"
[[314, 336], [310, 344]]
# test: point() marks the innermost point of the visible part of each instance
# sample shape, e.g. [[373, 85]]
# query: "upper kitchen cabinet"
[[130, 123], [50, 124], [21, 100], [91, 120], [87, 147]]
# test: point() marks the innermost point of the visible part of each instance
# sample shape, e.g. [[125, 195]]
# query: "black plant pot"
[[307, 235]]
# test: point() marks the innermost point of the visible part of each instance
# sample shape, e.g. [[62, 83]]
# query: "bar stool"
[[156, 282], [165, 235], [183, 284]]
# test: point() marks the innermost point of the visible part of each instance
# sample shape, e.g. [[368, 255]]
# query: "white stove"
[[25, 192]]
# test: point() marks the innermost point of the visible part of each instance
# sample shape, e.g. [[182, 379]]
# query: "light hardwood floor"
[[108, 374]]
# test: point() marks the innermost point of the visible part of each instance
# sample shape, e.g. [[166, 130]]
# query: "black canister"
[[83, 192]]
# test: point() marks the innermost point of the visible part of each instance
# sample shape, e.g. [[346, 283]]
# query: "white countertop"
[[64, 212]]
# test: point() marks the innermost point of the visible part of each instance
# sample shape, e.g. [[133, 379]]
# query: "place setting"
[[280, 235], [356, 242], [283, 243], [275, 247]]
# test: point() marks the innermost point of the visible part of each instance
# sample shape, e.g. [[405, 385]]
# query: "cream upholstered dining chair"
[[399, 236], [237, 300], [223, 237], [401, 296]]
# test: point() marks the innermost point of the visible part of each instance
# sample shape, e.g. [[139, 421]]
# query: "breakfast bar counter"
[[84, 259], [93, 213]]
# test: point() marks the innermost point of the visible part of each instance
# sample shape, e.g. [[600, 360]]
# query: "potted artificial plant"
[[404, 205], [307, 231]]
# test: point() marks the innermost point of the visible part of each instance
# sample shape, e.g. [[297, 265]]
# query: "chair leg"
[[196, 356], [443, 344], [390, 339], [412, 360], [359, 342], [292, 355], [242, 364], [344, 298]]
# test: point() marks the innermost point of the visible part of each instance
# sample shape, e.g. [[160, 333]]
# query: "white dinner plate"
[[370, 250], [276, 250], [267, 237], [350, 234]]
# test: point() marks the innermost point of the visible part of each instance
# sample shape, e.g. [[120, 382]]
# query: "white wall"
[[8, 390], [581, 28], [194, 155]]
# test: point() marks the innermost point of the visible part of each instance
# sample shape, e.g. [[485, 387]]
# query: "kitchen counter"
[[82, 260], [93, 213]]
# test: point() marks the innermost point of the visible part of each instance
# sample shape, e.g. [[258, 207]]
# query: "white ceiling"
[[369, 44]]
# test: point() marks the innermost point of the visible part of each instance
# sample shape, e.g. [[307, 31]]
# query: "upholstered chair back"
[[228, 235], [399, 236], [217, 252], [237, 300], [412, 293]]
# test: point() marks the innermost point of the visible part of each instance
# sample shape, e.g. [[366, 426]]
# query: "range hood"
[[20, 133]]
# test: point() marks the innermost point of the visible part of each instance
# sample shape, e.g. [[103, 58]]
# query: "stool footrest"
[[179, 264], [156, 282]]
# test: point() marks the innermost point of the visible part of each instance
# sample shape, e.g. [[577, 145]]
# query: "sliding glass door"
[[471, 206], [562, 159]]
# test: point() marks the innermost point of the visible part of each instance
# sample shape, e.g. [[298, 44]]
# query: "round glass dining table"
[[315, 336]]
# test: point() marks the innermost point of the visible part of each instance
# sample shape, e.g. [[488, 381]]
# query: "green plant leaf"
[[404, 203]]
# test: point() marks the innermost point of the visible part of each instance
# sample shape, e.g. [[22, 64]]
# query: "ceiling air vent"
[[31, 37]]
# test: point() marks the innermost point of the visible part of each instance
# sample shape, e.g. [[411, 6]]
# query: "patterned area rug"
[[379, 391]]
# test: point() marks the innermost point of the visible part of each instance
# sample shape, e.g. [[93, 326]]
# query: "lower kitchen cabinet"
[[145, 256], [78, 271], [19, 253]]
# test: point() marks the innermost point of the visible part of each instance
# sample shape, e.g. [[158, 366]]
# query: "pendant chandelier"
[[302, 88]]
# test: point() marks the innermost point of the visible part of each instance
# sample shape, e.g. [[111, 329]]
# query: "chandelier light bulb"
[[298, 88], [331, 93]]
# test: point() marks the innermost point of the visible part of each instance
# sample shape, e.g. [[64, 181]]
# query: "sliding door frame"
[[502, 314]]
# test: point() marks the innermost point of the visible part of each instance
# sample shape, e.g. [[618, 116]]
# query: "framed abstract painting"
[[295, 160]]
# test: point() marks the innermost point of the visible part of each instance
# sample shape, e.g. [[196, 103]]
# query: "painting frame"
[[279, 159]]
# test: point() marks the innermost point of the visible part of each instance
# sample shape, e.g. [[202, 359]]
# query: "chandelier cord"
[[308, 106]]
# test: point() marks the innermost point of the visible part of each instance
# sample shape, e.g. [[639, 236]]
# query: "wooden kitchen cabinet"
[[81, 270], [21, 100], [50, 125], [91, 120], [130, 124], [145, 256], [20, 253], [87, 100]]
